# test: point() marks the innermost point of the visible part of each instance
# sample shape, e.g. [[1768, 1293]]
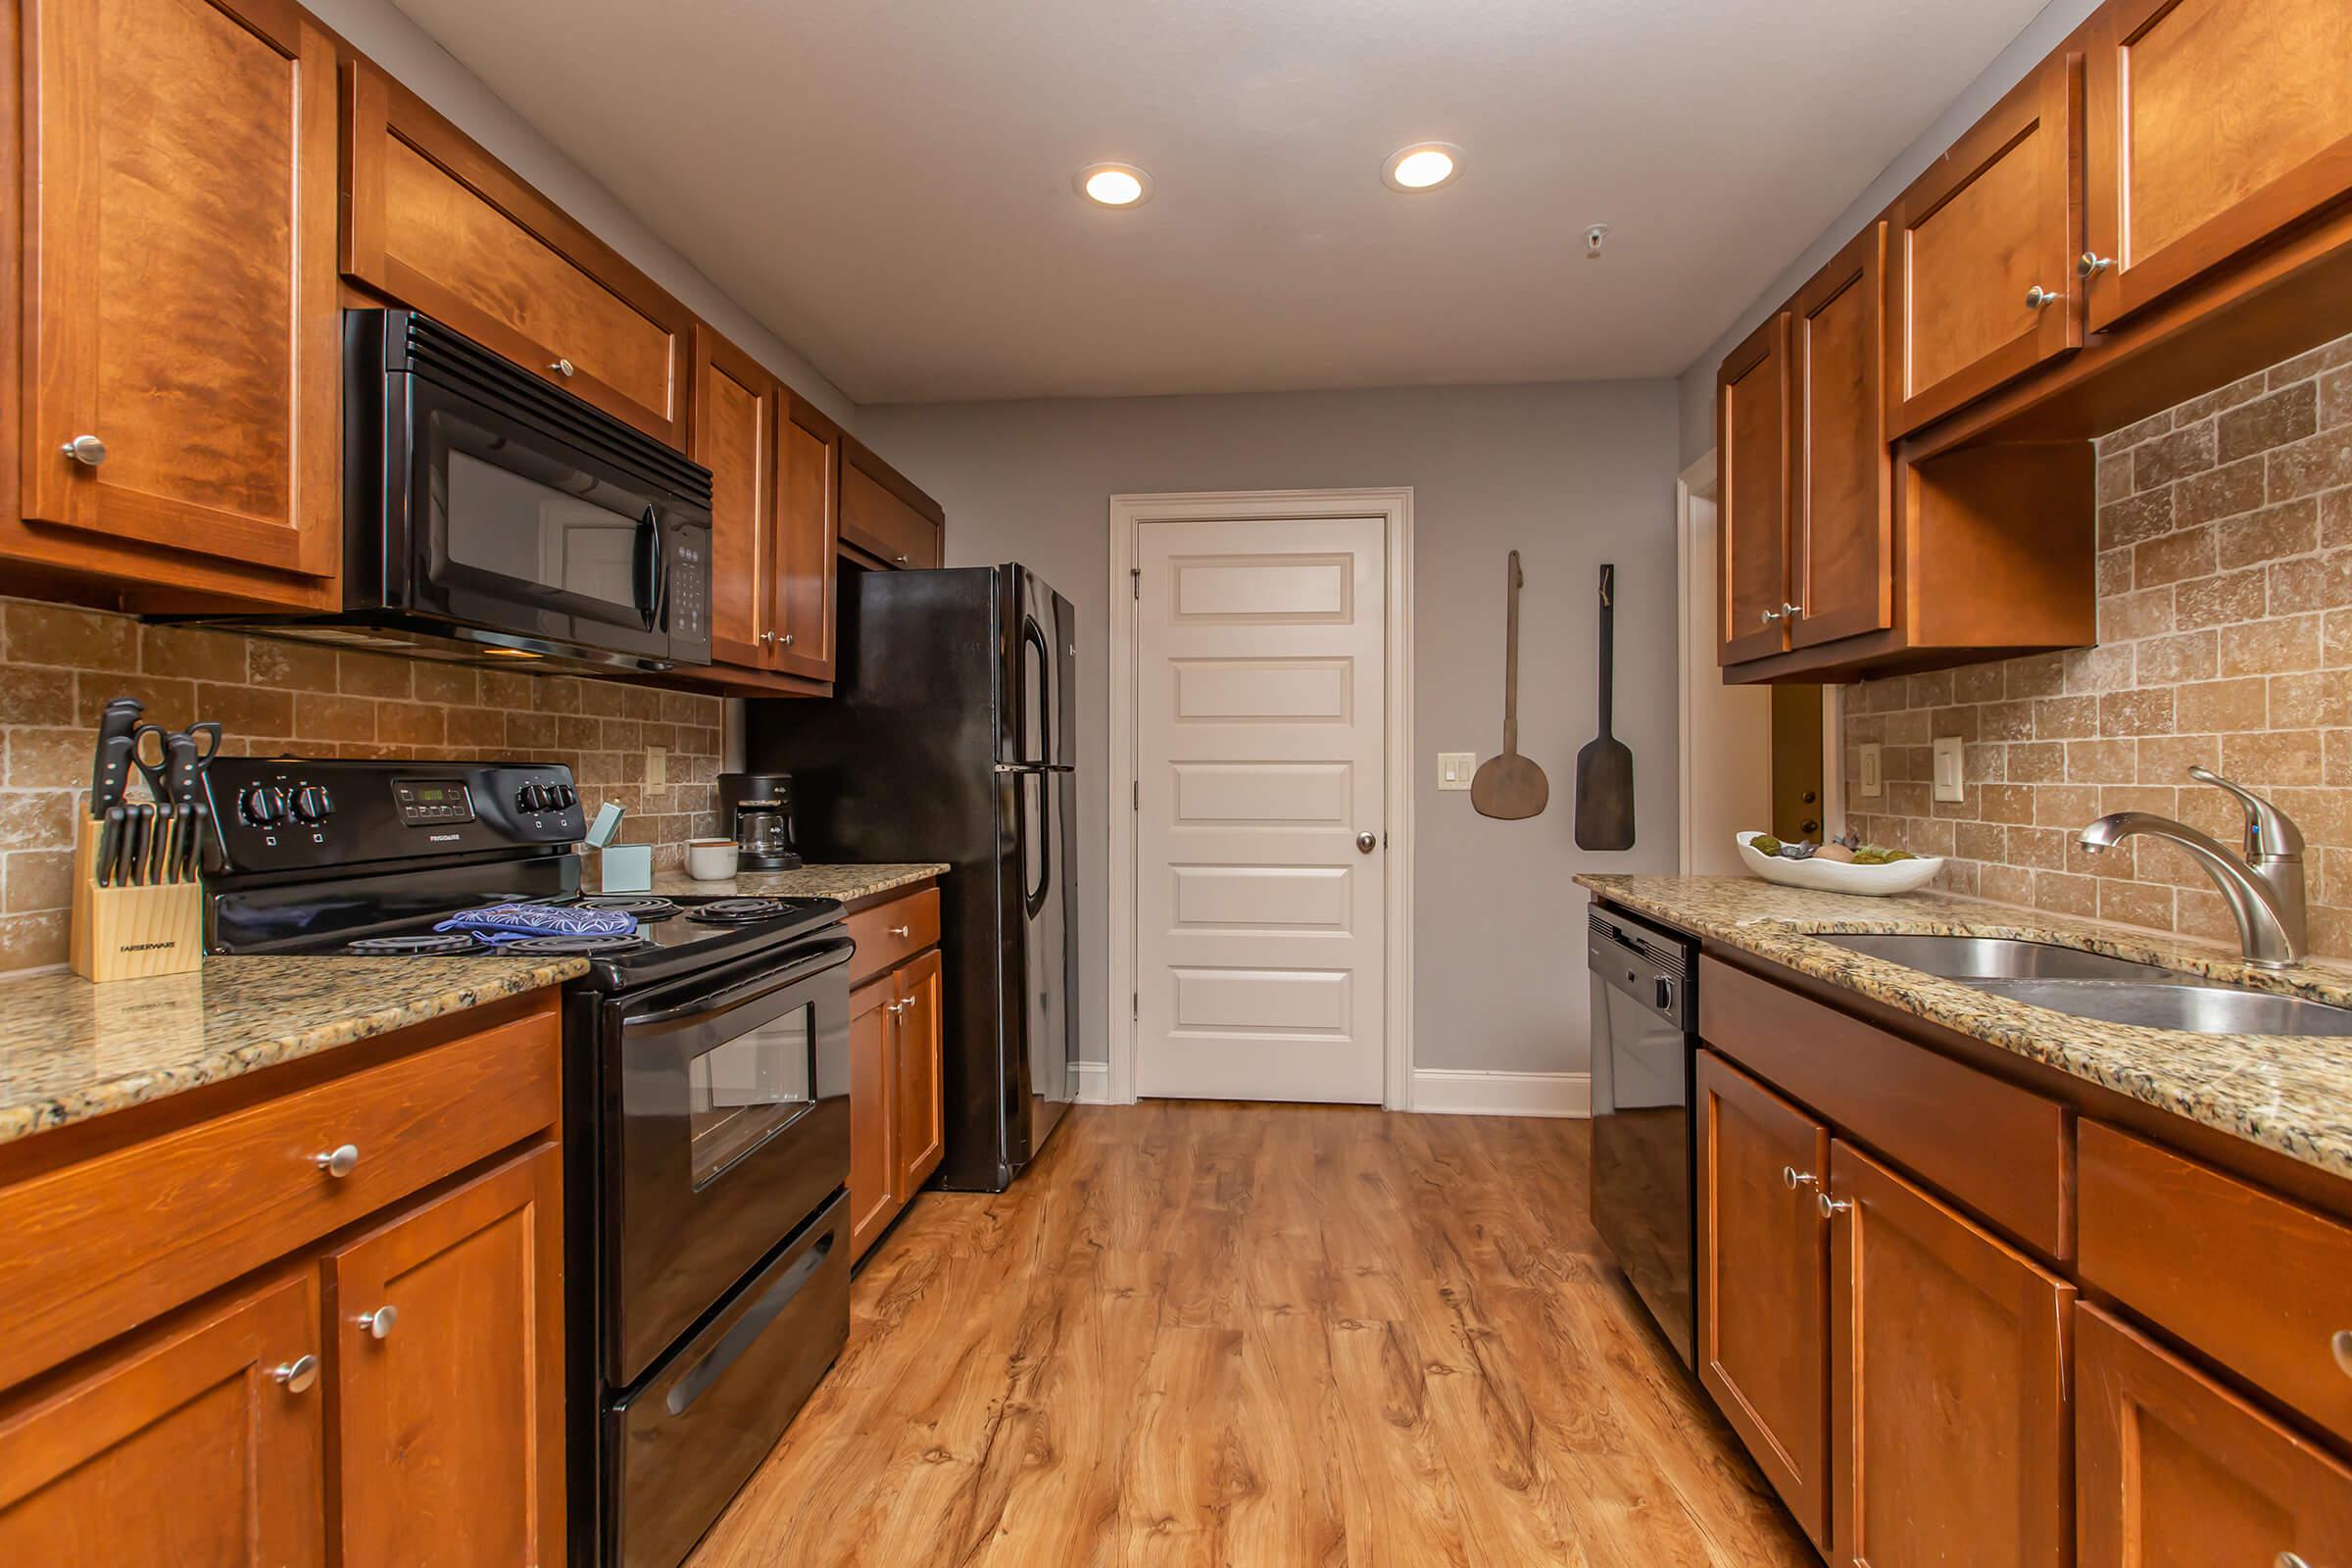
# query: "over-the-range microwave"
[[493, 517]]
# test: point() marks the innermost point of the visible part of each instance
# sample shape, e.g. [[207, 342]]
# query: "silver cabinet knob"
[[788, 639], [338, 1162], [2340, 1342], [768, 636], [2091, 263], [1793, 1178], [902, 560], [1366, 843], [2038, 296], [298, 1374], [902, 930], [380, 1322], [1771, 616], [564, 369], [87, 450], [1831, 1208], [1792, 610], [2290, 1559]]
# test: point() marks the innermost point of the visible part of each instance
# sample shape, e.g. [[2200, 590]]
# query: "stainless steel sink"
[[2199, 1007], [1973, 958]]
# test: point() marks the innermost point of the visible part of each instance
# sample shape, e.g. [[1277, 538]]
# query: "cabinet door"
[[885, 516], [181, 290], [1843, 522], [448, 1377], [435, 223], [1981, 278], [735, 408], [916, 1107], [2173, 1471], [808, 530], [873, 1192], [2212, 126], [1763, 1275], [1948, 1383], [1751, 403], [191, 1446]]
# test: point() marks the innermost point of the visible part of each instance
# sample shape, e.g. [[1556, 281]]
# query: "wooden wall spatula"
[[1510, 786], [1605, 769]]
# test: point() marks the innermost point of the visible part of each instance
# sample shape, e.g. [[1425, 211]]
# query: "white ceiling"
[[886, 183]]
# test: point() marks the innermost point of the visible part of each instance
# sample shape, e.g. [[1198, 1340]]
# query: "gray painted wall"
[[1568, 475], [385, 35], [1695, 389]]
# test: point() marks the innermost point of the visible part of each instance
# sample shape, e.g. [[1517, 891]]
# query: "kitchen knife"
[[134, 846], [111, 768], [109, 845]]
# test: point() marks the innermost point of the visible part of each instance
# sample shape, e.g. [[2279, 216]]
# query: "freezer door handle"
[[1035, 767]]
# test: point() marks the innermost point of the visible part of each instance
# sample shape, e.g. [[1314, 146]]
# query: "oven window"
[[501, 521], [741, 1094]]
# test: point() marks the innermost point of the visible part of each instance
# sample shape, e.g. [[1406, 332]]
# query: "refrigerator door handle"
[[1035, 767]]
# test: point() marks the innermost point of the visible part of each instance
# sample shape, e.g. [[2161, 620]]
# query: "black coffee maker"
[[754, 809]]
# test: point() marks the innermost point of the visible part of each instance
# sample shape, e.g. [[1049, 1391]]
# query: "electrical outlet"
[[1454, 769], [657, 764], [1869, 756], [1949, 752]]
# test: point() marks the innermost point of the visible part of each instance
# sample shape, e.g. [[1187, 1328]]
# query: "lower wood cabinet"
[[896, 1106]]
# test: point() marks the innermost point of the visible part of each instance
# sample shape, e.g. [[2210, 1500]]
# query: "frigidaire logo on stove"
[[441, 838]]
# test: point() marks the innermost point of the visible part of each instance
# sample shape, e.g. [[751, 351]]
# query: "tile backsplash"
[[59, 665], [2225, 618]]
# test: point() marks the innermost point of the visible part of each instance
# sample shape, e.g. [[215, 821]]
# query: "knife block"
[[131, 933]]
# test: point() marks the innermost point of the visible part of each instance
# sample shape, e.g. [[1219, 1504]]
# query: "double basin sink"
[[2093, 985]]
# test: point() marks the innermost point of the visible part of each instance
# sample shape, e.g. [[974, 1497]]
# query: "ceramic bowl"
[[711, 860], [1841, 876]]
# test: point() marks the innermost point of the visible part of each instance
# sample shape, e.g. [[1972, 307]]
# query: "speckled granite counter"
[[2288, 1094], [848, 883], [71, 1050]]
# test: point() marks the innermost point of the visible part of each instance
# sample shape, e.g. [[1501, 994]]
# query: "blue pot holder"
[[512, 922]]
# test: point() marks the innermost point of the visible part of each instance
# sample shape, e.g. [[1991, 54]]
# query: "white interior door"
[[1261, 759]]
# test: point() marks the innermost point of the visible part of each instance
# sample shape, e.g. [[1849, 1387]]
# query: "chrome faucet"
[[2264, 891]]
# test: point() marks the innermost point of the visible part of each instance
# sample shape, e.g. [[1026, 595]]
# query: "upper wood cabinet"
[[433, 222], [1841, 516], [1948, 1382], [735, 424], [1980, 278], [182, 341], [2213, 124], [1751, 540], [808, 535], [883, 515], [202, 1443]]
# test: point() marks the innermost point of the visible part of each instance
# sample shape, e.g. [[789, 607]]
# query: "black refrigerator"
[[948, 738]]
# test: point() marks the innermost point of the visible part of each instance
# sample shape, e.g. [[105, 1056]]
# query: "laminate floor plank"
[[1236, 1336]]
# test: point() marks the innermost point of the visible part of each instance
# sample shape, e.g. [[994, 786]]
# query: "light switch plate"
[[657, 764], [1869, 758], [1454, 769], [1949, 752]]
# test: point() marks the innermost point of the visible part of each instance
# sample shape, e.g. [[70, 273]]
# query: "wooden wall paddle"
[[1605, 769], [1510, 786]]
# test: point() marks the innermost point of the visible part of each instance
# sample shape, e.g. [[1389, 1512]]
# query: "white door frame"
[[1128, 515]]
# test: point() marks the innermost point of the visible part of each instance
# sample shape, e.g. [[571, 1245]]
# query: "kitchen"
[[588, 763]]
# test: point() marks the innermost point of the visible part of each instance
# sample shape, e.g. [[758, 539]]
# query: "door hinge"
[[1137, 804], [1135, 1005], [1135, 580]]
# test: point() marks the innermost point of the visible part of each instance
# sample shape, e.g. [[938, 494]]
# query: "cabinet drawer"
[[889, 934], [1998, 1149], [2262, 1285], [878, 521], [99, 1246]]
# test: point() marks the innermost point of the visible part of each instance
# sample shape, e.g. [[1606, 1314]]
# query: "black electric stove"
[[707, 1084]]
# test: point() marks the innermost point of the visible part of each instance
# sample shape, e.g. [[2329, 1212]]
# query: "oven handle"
[[748, 1328], [833, 954]]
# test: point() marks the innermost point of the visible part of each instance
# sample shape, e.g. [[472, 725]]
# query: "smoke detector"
[[1596, 237]]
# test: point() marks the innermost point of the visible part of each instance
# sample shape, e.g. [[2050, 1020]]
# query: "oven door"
[[727, 1115]]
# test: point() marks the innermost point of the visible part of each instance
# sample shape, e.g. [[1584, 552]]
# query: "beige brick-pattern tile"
[[2224, 618], [59, 665]]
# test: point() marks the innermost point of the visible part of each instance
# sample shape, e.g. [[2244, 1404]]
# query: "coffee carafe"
[[754, 809]]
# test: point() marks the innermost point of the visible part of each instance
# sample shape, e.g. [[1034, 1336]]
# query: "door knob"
[[2036, 297], [2092, 264], [564, 369], [1366, 843], [380, 1322], [87, 450], [1793, 1178], [298, 1374], [338, 1162], [1831, 1208]]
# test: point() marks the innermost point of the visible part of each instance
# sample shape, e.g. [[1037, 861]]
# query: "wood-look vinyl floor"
[[1241, 1336]]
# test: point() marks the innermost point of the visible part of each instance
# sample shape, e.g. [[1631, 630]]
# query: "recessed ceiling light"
[[1113, 184], [1424, 166]]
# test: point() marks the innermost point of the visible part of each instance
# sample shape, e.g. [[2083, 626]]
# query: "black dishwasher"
[[1644, 1044]]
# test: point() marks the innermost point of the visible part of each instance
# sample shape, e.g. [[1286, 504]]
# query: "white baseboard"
[[1448, 1092], [1094, 1082]]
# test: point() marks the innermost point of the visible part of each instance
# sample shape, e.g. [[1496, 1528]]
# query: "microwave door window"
[[509, 525]]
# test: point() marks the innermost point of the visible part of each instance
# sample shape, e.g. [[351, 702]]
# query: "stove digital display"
[[432, 801]]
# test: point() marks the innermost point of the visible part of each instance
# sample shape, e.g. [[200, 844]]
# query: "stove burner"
[[738, 912], [644, 906], [427, 944], [573, 946]]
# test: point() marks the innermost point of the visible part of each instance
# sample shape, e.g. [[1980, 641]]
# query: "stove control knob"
[[311, 803], [531, 798], [263, 805], [565, 800]]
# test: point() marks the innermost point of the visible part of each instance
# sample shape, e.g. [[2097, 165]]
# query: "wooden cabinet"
[[1763, 1272], [201, 1442], [1751, 403], [2170, 1468], [2213, 126], [448, 1377], [433, 222], [808, 535], [1948, 1412], [1841, 510], [1981, 279], [884, 518], [898, 1111], [182, 337]]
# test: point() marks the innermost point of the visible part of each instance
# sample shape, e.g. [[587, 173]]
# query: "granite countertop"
[[71, 1050], [2291, 1094], [848, 883]]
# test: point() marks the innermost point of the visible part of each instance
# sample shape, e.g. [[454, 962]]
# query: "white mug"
[[711, 860]]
